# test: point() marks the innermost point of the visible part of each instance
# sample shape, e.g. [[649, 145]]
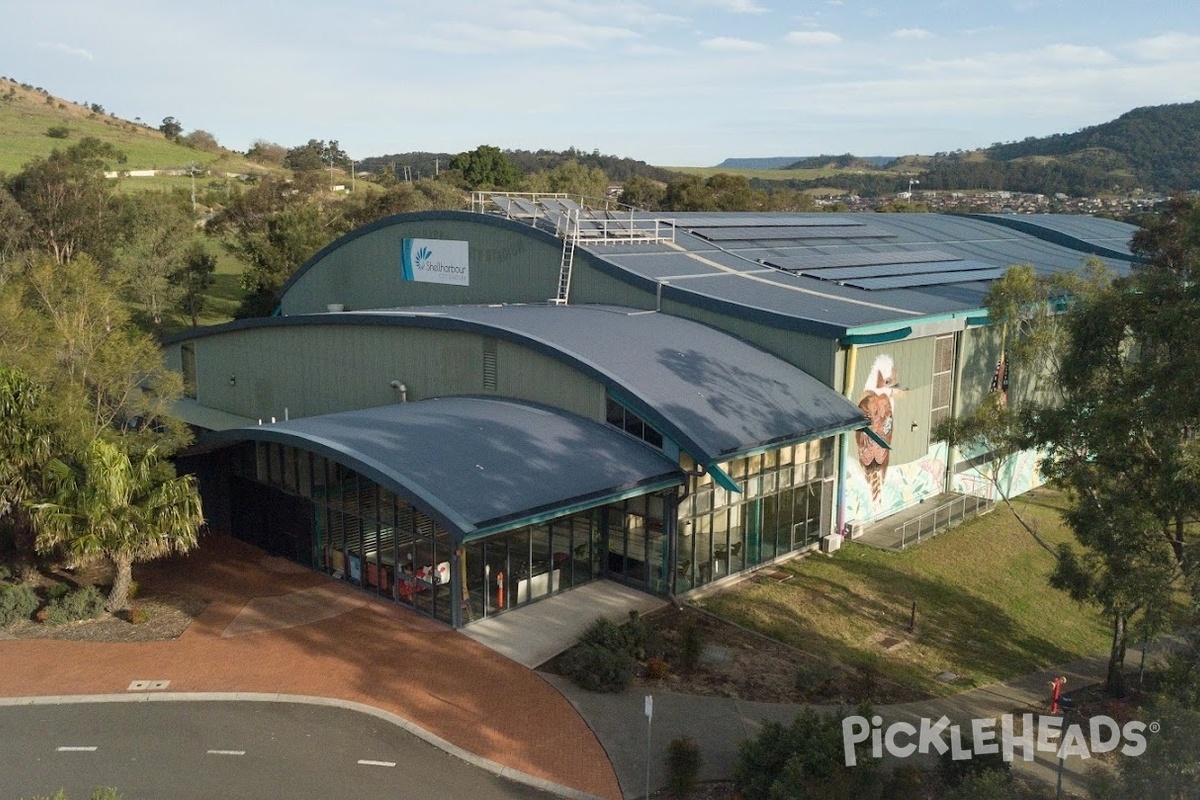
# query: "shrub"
[[683, 765], [137, 615], [604, 633], [599, 669], [820, 679], [17, 602], [58, 132], [905, 782], [5, 573], [691, 646], [803, 761], [134, 588], [956, 773], [57, 591], [75, 605], [987, 785]]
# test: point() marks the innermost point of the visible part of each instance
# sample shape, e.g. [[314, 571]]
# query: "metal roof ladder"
[[570, 238]]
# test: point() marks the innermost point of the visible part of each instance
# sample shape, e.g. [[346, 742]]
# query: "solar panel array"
[[739, 220], [791, 232], [917, 271], [929, 279], [815, 261]]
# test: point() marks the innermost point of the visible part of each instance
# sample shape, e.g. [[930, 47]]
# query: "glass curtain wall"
[[363, 533], [511, 569], [783, 507]]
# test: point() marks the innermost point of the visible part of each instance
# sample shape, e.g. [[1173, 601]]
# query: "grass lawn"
[[984, 608]]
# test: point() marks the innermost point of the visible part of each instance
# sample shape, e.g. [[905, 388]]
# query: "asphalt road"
[[229, 750]]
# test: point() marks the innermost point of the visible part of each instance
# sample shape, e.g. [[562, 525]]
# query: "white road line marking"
[[365, 762], [226, 752], [76, 749]]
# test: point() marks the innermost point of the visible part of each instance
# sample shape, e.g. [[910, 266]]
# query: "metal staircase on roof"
[[574, 222]]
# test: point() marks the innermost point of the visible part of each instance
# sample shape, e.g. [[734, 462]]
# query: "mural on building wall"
[[883, 384], [1015, 475], [906, 485], [1000, 380]]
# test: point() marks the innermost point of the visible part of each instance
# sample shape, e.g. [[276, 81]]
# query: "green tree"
[[486, 167], [67, 328], [71, 206], [125, 509], [642, 192], [157, 230], [1122, 441], [26, 444], [171, 128], [194, 277], [571, 177]]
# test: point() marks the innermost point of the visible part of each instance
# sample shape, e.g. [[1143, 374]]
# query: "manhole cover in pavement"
[[714, 655]]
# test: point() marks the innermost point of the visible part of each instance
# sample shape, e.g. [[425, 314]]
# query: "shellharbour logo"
[[435, 261], [1040, 734]]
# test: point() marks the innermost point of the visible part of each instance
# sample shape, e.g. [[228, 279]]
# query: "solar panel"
[[742, 220], [930, 279], [891, 270], [817, 261], [794, 232]]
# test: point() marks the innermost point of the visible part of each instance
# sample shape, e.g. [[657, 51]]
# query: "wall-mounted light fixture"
[[913, 427], [233, 380], [402, 389]]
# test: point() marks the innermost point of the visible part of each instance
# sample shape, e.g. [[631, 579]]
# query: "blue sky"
[[672, 82]]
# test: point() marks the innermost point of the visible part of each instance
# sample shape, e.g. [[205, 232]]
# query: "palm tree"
[[125, 509]]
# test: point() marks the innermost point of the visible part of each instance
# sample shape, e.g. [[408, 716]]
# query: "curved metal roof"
[[713, 394], [716, 396], [478, 465]]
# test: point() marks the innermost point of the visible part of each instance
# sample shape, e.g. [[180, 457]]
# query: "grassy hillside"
[[26, 115], [985, 609]]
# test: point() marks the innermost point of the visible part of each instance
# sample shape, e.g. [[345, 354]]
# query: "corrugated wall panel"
[[913, 359], [319, 370], [506, 266]]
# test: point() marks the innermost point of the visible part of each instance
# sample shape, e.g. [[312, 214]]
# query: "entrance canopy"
[[479, 465]]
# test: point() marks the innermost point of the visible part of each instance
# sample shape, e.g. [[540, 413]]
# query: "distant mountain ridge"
[[784, 162], [1158, 145]]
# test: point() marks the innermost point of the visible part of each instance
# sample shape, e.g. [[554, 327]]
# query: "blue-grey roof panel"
[[826, 308], [477, 462], [713, 394]]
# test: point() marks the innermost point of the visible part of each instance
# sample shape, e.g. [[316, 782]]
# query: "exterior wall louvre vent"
[[489, 365]]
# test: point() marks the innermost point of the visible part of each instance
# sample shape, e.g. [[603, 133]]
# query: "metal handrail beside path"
[[945, 516]]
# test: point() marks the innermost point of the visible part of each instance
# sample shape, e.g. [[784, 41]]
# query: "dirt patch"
[[151, 616], [165, 617], [736, 662]]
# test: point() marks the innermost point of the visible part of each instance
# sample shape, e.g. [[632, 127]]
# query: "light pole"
[[911, 181]]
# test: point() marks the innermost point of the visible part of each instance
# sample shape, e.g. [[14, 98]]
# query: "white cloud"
[[812, 37], [736, 6], [911, 33], [1165, 47], [732, 44], [68, 49], [1075, 54]]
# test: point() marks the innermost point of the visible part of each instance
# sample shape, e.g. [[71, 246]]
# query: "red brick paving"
[[379, 654]]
